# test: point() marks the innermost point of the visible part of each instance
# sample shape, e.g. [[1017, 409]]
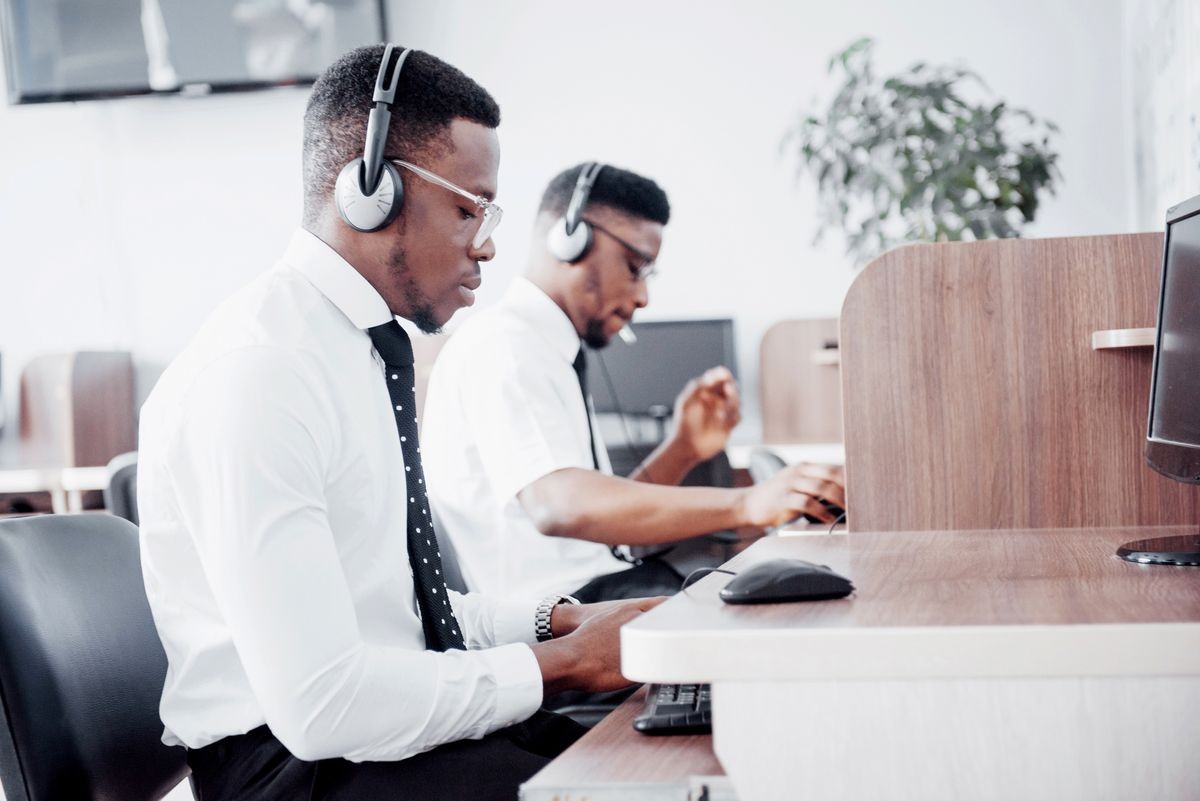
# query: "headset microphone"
[[369, 192], [570, 237]]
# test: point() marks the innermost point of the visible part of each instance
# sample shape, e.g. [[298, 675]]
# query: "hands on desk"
[[585, 653], [795, 491]]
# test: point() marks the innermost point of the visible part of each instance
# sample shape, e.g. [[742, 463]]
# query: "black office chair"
[[81, 665], [120, 496], [451, 568]]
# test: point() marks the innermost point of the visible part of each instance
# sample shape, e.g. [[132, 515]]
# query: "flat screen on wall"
[[57, 50]]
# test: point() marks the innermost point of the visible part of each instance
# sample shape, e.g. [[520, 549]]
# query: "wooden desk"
[[989, 665], [65, 485], [22, 472], [613, 761]]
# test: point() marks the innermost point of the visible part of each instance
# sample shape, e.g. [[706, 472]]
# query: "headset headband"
[[579, 198], [379, 119]]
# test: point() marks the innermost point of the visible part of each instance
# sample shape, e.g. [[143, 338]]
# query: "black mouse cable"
[[700, 573], [840, 518]]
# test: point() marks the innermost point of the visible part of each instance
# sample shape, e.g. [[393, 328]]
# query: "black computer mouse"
[[779, 580]]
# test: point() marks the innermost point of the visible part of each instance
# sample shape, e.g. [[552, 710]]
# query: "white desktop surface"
[[792, 453], [961, 657]]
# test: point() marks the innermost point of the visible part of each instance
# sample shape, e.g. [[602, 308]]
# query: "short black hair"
[[616, 188], [429, 96]]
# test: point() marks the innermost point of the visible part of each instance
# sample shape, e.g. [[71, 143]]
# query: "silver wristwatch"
[[541, 618]]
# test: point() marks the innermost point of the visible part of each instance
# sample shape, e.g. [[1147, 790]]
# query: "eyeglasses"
[[645, 268], [492, 213]]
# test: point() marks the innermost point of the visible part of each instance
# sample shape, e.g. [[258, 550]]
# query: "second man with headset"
[[527, 491]]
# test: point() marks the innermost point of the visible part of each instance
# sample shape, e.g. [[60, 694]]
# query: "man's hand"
[[565, 618], [589, 657], [706, 411], [793, 492]]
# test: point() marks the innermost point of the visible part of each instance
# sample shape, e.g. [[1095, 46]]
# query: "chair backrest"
[[120, 496], [455, 578], [77, 409], [82, 667], [800, 383]]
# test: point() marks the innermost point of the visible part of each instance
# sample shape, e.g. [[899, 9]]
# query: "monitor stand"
[[1182, 549]]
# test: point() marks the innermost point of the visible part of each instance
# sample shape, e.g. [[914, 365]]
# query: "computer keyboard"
[[676, 709]]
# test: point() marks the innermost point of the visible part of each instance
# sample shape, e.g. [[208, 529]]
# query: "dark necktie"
[[433, 598], [580, 365]]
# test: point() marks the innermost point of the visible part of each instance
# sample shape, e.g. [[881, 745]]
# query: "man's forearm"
[[667, 464], [587, 505]]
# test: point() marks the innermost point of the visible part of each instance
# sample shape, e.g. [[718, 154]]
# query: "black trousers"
[[256, 766], [652, 577]]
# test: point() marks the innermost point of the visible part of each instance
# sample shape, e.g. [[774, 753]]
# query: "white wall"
[[122, 223], [1163, 43]]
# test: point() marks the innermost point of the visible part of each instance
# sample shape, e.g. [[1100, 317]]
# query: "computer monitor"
[[67, 50], [647, 374], [1173, 428]]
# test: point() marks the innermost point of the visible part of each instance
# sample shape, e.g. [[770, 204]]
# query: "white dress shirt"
[[502, 410], [273, 535]]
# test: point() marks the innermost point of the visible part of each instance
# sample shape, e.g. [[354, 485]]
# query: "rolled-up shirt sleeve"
[[248, 470]]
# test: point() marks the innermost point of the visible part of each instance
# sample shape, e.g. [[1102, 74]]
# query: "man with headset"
[[290, 559], [521, 480]]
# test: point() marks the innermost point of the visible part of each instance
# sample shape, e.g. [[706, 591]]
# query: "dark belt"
[[219, 752]]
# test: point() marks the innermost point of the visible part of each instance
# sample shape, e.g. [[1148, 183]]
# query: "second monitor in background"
[[649, 373]]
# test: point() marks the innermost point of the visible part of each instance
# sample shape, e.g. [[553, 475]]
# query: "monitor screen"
[[1173, 429], [648, 374], [83, 49], [1175, 412]]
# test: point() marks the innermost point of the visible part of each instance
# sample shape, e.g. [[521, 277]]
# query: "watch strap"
[[541, 617]]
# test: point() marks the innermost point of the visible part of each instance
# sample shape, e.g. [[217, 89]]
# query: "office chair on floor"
[[82, 666], [120, 496]]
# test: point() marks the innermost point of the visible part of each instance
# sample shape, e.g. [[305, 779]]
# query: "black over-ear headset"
[[570, 237], [369, 192]]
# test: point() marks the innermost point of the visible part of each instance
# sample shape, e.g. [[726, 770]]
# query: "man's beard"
[[594, 336], [420, 309]]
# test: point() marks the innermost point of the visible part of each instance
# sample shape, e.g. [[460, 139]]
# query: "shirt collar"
[[337, 280], [544, 316]]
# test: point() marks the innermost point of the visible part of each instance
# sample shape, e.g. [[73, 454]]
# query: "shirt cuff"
[[514, 621], [518, 682]]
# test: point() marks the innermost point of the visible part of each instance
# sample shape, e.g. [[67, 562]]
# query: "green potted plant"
[[910, 158]]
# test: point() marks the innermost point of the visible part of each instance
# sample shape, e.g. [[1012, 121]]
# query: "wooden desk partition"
[[800, 387], [972, 397]]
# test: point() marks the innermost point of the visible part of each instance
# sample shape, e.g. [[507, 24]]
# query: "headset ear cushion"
[[367, 213], [569, 247]]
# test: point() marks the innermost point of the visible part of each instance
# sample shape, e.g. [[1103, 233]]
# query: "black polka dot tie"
[[442, 631]]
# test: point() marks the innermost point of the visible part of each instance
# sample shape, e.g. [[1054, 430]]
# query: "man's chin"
[[595, 336], [427, 322]]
